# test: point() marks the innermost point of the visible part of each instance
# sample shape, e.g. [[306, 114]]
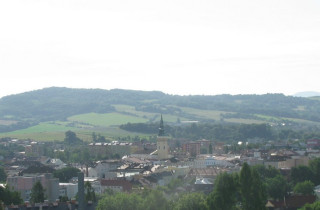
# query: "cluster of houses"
[[149, 165]]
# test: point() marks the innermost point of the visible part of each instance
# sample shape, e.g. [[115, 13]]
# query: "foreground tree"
[[224, 192], [8, 197], [315, 168], [191, 201], [301, 174], [252, 189], [37, 193], [304, 188], [314, 206], [90, 195], [3, 175], [154, 199], [277, 187], [120, 201]]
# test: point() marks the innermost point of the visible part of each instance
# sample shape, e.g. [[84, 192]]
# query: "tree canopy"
[[65, 174], [37, 193]]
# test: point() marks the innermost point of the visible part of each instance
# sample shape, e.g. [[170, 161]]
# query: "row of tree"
[[223, 132]]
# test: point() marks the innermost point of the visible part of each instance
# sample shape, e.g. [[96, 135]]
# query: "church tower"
[[162, 143]]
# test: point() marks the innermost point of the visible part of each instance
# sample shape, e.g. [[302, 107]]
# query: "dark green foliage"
[[191, 201], [252, 189], [120, 201], [276, 184], [90, 195], [224, 193], [37, 193], [54, 103], [301, 173], [59, 103], [147, 199], [266, 172], [65, 174], [154, 199], [71, 138], [314, 206], [40, 169], [10, 197], [315, 168], [304, 188], [63, 198], [277, 187], [222, 132], [3, 175]]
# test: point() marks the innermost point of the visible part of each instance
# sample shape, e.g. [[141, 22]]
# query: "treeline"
[[223, 132], [59, 103]]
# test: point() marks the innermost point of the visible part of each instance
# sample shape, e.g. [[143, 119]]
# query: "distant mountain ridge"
[[58, 103], [307, 94]]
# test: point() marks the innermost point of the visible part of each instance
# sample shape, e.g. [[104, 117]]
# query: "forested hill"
[[57, 103]]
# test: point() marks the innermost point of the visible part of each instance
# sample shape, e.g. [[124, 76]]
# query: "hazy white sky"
[[178, 47]]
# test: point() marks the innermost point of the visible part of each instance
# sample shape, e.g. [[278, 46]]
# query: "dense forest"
[[57, 103]]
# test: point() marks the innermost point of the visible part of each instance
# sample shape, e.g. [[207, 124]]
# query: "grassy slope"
[[106, 120], [107, 124]]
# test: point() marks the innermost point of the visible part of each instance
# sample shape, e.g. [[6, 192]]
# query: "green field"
[[106, 120], [207, 114], [244, 121], [107, 124], [154, 117]]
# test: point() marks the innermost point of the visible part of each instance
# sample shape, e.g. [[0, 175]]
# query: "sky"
[[184, 47]]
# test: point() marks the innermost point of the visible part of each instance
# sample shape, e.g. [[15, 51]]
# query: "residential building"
[[313, 143], [118, 185], [193, 148], [24, 184], [35, 149], [68, 189]]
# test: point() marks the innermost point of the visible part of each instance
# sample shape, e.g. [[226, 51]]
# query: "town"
[[132, 167]]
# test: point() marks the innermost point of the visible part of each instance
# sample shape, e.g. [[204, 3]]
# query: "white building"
[[68, 189]]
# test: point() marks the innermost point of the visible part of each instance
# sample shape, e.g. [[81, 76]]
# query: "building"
[[193, 148], [294, 161], [104, 169], [118, 185], [35, 149], [162, 143], [24, 184], [110, 149], [68, 189], [313, 143]]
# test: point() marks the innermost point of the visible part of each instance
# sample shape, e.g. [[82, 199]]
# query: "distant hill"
[[59, 104], [307, 94]]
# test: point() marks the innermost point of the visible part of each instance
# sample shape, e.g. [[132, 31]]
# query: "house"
[[292, 202], [203, 185], [313, 143], [118, 185], [105, 169]]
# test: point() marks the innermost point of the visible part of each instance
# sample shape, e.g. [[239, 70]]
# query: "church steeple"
[[161, 128]]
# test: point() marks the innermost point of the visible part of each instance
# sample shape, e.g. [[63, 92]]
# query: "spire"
[[161, 128]]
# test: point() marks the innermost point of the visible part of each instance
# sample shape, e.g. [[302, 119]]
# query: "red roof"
[[126, 186], [297, 201]]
